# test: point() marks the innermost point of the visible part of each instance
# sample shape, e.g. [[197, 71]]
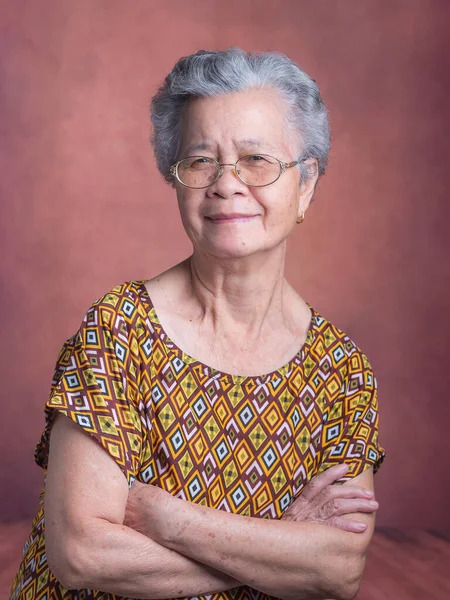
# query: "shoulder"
[[334, 346], [130, 298], [117, 307], [116, 321], [120, 296]]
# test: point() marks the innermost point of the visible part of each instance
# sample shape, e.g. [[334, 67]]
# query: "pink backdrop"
[[83, 207]]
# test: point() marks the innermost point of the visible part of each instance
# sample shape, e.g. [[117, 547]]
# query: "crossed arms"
[[179, 549]]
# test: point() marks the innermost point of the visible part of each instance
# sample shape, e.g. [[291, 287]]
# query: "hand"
[[147, 507], [322, 502]]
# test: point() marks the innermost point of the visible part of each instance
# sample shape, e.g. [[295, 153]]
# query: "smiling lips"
[[230, 217]]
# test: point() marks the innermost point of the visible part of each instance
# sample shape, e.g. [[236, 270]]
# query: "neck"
[[237, 294]]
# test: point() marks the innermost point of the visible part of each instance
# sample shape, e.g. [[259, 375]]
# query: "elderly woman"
[[220, 436]]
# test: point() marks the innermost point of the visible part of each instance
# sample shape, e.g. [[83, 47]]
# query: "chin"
[[231, 250]]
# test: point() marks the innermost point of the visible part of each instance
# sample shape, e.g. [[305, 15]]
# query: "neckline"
[[282, 372]]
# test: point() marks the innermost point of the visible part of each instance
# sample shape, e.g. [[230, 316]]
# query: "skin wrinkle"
[[254, 334], [246, 145], [230, 266], [231, 289], [219, 307]]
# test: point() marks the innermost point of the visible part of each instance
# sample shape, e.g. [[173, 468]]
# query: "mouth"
[[230, 217]]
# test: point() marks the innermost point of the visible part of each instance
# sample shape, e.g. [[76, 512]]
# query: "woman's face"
[[226, 128]]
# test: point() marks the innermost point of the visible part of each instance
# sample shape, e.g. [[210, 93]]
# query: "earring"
[[302, 219]]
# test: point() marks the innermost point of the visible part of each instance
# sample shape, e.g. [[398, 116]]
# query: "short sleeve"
[[350, 423], [95, 385]]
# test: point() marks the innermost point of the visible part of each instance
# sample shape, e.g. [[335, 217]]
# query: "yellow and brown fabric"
[[246, 445]]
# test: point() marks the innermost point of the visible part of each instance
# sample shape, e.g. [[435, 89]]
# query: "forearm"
[[116, 559], [286, 559]]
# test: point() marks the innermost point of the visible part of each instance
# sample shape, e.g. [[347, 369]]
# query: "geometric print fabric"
[[246, 445]]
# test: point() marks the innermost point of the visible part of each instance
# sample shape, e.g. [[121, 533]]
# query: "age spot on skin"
[[183, 526]]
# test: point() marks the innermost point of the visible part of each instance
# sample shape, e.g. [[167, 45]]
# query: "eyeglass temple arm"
[[293, 163]]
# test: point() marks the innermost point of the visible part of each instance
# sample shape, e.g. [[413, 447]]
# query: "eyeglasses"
[[255, 170]]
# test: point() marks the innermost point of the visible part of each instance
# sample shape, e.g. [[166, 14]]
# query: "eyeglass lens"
[[257, 169]]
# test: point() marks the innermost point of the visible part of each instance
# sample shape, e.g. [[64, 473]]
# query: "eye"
[[197, 162], [255, 161]]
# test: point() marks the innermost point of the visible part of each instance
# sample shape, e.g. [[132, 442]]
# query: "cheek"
[[281, 208], [189, 206], [186, 204]]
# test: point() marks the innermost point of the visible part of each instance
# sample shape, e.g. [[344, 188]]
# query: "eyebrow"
[[247, 142]]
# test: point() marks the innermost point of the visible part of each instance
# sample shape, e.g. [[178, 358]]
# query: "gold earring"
[[303, 218]]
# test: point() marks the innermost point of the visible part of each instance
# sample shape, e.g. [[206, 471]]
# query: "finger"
[[332, 501], [348, 524], [287, 517], [348, 491], [303, 506], [342, 506], [320, 482]]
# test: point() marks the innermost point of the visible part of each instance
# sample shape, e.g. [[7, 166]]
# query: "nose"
[[222, 170], [227, 185]]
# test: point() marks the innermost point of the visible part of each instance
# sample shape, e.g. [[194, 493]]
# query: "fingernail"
[[361, 526]]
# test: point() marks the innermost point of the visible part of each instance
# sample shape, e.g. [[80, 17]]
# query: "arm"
[[89, 547], [361, 541], [287, 559], [86, 543]]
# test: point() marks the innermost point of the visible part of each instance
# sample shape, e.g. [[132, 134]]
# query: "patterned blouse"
[[246, 445]]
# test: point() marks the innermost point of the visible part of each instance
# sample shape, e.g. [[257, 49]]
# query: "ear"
[[308, 185]]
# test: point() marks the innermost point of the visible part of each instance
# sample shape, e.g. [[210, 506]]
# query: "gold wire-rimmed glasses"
[[254, 170]]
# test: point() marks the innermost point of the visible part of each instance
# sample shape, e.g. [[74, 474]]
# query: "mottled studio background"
[[83, 207]]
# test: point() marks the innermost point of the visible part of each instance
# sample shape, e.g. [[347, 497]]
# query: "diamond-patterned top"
[[246, 445]]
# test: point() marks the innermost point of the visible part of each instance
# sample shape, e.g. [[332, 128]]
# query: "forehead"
[[250, 143], [249, 120]]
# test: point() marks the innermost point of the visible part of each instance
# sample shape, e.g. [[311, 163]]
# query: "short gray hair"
[[211, 73]]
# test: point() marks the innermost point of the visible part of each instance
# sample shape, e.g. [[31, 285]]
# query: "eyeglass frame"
[[283, 166]]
